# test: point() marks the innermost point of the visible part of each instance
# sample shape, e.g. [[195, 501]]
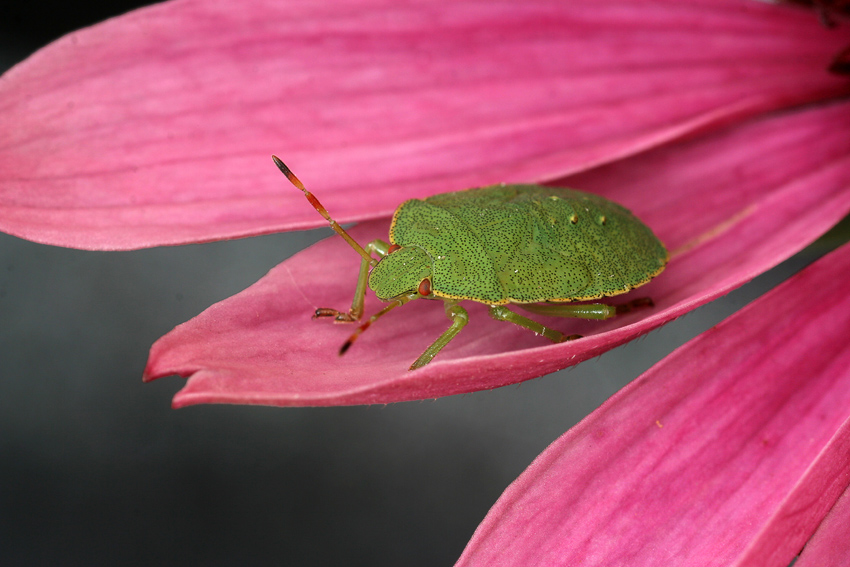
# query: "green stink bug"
[[539, 248]]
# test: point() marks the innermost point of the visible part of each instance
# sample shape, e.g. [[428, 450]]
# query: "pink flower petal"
[[156, 127], [728, 452], [729, 206], [830, 544]]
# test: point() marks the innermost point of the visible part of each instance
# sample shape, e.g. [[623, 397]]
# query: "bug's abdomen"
[[576, 246], [618, 251]]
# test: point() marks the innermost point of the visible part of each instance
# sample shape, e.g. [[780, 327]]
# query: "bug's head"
[[406, 269]]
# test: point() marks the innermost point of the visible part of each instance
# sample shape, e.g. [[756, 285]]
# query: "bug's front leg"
[[378, 247]]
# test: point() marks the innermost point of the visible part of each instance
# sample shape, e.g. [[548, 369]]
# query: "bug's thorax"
[[400, 272]]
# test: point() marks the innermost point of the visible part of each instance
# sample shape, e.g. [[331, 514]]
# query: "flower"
[[163, 138]]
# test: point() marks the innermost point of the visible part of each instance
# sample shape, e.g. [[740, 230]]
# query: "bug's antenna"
[[322, 211]]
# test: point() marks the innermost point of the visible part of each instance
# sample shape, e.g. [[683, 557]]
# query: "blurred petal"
[[728, 452], [729, 206], [830, 546], [156, 127]]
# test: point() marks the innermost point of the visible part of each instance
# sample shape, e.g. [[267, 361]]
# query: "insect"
[[538, 248]]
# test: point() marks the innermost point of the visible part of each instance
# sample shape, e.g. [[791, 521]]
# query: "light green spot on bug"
[[536, 247]]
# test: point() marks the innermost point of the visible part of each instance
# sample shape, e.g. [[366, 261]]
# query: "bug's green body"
[[539, 248], [519, 244]]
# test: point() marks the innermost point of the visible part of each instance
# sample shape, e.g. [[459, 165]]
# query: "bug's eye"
[[424, 287], [393, 248]]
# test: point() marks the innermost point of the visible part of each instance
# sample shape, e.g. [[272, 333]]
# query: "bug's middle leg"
[[378, 247], [597, 311], [502, 313]]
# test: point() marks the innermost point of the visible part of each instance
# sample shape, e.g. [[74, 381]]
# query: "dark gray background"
[[95, 468]]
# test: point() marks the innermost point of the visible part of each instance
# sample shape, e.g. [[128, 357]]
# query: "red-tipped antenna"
[[322, 211]]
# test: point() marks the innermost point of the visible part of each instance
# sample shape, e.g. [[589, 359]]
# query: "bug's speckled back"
[[529, 243]]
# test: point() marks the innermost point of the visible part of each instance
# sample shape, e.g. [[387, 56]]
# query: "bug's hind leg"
[[459, 318], [585, 310], [502, 313]]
